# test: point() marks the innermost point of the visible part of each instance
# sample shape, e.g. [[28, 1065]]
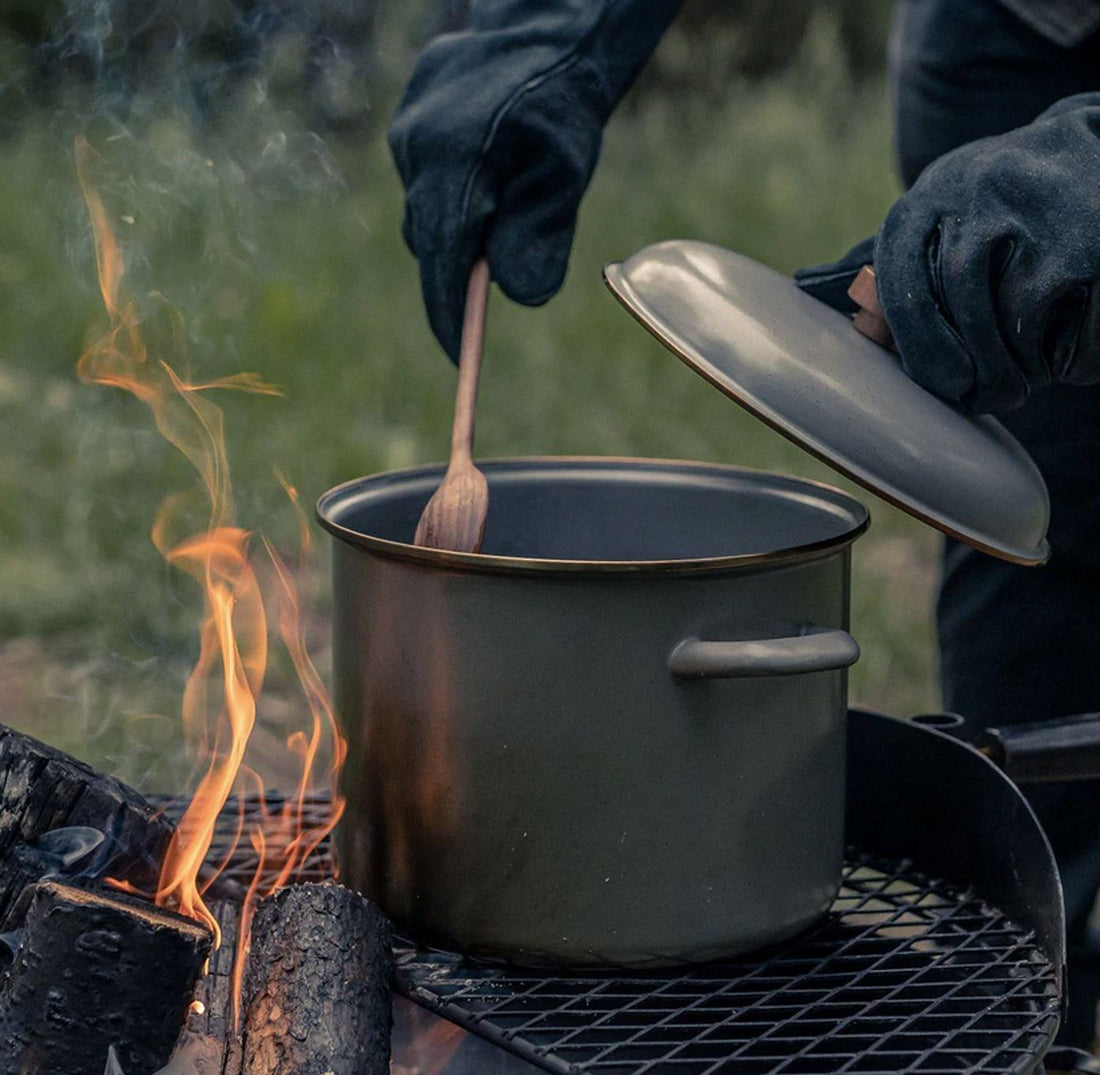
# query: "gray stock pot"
[[615, 735]]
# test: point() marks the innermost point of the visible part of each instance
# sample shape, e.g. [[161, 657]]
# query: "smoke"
[[69, 853], [204, 115], [130, 56], [209, 117], [64, 848], [9, 944], [210, 120], [75, 853]]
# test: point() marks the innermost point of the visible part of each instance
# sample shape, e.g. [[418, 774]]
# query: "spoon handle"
[[469, 363]]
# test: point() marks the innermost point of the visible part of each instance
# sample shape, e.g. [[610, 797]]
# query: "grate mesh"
[[905, 974], [240, 859]]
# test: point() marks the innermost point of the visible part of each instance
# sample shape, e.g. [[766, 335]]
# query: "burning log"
[[94, 970], [210, 1025], [319, 975], [60, 818]]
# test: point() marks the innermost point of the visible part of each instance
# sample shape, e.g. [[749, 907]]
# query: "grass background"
[[284, 255]]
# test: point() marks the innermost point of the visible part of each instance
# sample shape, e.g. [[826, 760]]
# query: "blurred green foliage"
[[283, 253]]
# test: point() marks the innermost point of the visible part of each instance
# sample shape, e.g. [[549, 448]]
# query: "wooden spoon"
[[454, 518]]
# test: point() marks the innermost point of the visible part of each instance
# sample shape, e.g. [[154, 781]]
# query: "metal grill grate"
[[905, 974], [241, 816]]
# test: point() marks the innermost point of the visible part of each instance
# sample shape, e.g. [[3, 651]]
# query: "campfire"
[[99, 980], [130, 949]]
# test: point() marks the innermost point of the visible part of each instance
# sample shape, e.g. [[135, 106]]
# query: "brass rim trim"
[[1034, 558], [485, 563]]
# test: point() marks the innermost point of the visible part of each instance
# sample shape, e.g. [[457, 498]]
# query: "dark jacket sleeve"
[[498, 134]]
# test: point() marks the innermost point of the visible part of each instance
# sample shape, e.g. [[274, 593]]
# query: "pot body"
[[630, 750]]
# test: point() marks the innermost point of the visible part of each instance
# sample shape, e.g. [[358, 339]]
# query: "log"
[[210, 1030], [94, 970], [318, 986], [42, 791]]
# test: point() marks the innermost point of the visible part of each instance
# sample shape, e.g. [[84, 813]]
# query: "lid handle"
[[870, 320]]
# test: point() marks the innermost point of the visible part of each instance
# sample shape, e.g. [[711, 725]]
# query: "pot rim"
[[486, 563]]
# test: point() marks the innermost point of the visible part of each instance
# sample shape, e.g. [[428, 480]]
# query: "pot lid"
[[801, 367]]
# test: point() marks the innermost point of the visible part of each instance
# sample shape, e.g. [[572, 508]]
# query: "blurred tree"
[[864, 28], [321, 53], [338, 57]]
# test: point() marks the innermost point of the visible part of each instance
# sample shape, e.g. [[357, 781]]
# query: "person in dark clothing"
[[1020, 644], [989, 276]]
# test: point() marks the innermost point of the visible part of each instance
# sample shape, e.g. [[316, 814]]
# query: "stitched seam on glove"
[[532, 84], [886, 299], [568, 61], [576, 55], [1061, 370]]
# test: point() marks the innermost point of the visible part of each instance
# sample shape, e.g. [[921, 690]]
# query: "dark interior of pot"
[[611, 510]]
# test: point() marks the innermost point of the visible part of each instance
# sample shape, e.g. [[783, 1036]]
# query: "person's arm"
[[989, 267], [498, 134]]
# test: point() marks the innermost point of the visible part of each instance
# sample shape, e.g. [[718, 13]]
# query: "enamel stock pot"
[[617, 733]]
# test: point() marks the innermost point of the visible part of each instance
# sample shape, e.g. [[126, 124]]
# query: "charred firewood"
[[59, 818], [94, 970], [319, 974], [210, 1034]]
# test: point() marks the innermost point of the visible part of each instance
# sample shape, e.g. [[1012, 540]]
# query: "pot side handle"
[[816, 650]]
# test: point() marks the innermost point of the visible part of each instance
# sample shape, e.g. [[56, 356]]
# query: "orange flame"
[[234, 612], [220, 698], [283, 841]]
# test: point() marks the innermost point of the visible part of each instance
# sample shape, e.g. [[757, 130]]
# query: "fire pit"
[[930, 959], [943, 952], [909, 971]]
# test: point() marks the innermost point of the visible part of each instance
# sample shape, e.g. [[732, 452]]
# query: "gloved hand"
[[498, 134], [989, 267]]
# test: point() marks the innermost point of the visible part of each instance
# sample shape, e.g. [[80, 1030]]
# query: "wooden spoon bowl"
[[454, 518]]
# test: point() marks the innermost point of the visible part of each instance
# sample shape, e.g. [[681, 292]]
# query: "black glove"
[[989, 268], [498, 134]]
